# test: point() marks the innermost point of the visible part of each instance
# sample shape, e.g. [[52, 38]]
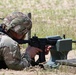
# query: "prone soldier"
[[16, 25]]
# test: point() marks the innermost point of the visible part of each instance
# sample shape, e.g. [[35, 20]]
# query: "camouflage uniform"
[[9, 49]]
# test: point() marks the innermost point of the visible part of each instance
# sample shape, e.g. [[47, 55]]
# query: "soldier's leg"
[[3, 65]]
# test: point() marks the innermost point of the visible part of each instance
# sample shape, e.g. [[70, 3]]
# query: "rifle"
[[39, 43], [59, 50]]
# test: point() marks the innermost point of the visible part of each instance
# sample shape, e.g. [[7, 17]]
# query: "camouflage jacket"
[[10, 53]]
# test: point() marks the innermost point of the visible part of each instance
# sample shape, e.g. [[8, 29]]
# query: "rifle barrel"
[[74, 41]]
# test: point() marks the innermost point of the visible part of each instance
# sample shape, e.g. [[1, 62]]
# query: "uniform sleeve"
[[12, 55]]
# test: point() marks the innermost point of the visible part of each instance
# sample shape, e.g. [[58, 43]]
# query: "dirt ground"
[[39, 71], [36, 70]]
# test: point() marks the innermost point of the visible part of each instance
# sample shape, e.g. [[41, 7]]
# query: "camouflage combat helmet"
[[18, 22]]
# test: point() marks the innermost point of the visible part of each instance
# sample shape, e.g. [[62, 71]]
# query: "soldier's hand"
[[32, 51], [47, 49]]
